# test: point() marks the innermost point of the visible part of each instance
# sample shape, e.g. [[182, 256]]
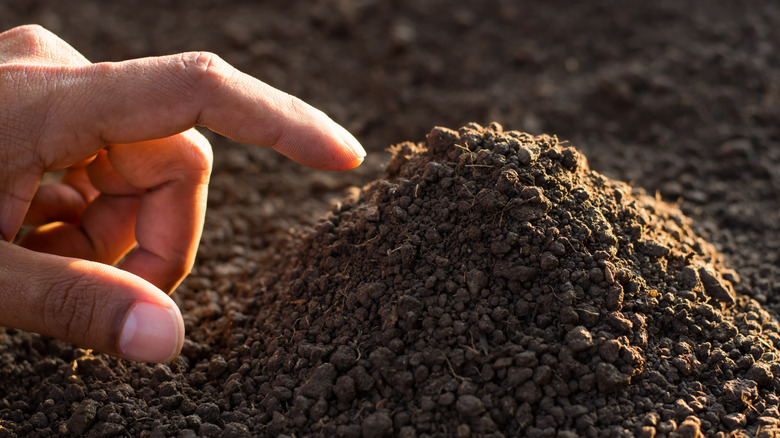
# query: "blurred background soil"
[[679, 97]]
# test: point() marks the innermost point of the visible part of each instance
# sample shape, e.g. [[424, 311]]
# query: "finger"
[[88, 304], [102, 229], [153, 197], [136, 100], [55, 202], [175, 172], [62, 201], [107, 180], [103, 233]]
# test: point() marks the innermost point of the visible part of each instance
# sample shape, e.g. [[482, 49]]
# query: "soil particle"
[[208, 412], [320, 383], [715, 288], [377, 425], [740, 392], [82, 418], [469, 406], [579, 339]]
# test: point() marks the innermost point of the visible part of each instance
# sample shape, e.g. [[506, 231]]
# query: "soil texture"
[[484, 281], [493, 284]]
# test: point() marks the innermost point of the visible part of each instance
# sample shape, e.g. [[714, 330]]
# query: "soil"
[[489, 282], [492, 284]]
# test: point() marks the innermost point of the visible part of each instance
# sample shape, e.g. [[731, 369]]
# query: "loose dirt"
[[677, 97], [492, 284]]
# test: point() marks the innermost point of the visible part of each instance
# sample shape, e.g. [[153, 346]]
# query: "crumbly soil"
[[482, 282]]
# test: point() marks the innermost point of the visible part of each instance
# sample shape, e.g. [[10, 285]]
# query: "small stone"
[[409, 307], [528, 154], [372, 212]]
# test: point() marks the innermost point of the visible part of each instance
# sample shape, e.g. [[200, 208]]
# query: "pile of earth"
[[489, 285], [492, 284]]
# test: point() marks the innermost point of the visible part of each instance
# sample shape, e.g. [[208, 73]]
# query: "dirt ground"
[[679, 98]]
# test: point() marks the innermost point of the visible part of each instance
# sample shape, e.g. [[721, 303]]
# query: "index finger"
[[150, 98]]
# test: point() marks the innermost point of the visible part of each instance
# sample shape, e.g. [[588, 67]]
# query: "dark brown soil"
[[494, 285], [325, 332]]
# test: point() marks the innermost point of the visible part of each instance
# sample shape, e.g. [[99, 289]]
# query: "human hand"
[[133, 191]]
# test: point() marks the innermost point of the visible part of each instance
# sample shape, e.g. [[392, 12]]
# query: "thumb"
[[88, 304]]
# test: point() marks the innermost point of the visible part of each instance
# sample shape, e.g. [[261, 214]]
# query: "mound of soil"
[[493, 285]]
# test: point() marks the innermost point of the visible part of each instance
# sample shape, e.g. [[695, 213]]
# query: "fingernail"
[[351, 142], [150, 333]]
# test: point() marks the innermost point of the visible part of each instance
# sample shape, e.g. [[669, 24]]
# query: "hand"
[[133, 187]]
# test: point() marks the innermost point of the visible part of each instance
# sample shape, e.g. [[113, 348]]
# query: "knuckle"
[[30, 36], [200, 60], [31, 31], [204, 68], [69, 309]]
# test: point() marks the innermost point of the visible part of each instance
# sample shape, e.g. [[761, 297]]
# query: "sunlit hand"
[[134, 185]]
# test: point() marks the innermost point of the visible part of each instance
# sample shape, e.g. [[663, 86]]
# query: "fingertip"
[[351, 143], [342, 150], [350, 164], [323, 147], [356, 163]]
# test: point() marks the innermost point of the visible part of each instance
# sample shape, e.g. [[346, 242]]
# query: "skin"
[[135, 177]]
